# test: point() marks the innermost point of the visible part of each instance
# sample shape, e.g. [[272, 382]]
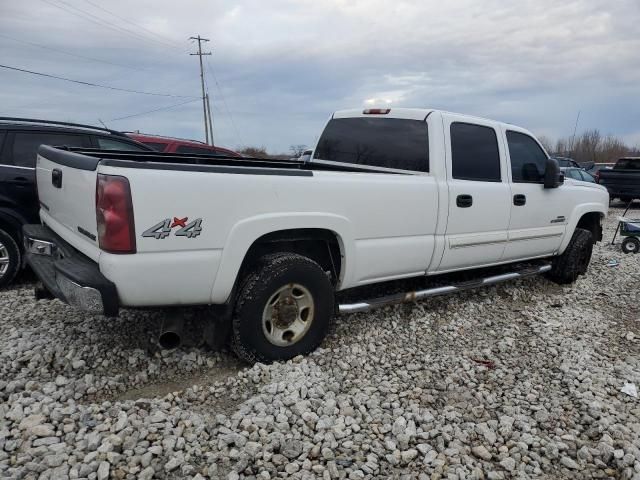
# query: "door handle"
[[56, 178], [464, 201], [19, 181], [519, 200]]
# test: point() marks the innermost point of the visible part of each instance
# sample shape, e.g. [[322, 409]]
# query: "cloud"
[[283, 66]]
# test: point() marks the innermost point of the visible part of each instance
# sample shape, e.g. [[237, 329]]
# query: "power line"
[[93, 84], [156, 110], [94, 19], [33, 44], [224, 100], [124, 19]]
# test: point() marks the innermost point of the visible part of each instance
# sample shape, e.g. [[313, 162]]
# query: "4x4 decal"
[[164, 228]]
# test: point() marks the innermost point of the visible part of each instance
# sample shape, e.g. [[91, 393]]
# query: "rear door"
[[19, 158], [479, 206]]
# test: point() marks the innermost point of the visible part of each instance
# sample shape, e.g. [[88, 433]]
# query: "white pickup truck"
[[389, 194]]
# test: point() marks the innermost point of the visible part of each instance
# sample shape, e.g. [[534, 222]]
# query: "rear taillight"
[[114, 215]]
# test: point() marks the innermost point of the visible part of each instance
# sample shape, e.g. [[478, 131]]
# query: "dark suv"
[[19, 142]]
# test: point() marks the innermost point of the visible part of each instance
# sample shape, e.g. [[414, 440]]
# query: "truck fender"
[[246, 232], [575, 217]]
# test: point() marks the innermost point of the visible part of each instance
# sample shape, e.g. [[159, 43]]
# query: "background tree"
[[297, 150]]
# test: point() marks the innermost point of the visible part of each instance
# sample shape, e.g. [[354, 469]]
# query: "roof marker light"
[[376, 111]]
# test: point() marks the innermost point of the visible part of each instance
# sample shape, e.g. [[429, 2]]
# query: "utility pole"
[[204, 102], [210, 120]]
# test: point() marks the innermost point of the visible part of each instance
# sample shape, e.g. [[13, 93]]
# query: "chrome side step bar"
[[437, 291]]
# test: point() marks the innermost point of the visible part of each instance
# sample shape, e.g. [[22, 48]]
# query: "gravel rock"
[[481, 452], [518, 380]]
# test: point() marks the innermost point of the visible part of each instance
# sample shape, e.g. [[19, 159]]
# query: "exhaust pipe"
[[171, 332]]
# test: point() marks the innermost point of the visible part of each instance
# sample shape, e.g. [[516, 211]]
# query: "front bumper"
[[68, 274]]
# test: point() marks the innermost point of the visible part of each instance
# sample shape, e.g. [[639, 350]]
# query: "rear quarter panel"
[[385, 224]]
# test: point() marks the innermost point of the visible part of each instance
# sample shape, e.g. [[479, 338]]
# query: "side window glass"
[[112, 144], [474, 153], [26, 144], [196, 150], [528, 160], [3, 160]]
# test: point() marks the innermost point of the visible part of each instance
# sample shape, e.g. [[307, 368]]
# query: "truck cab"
[[494, 202]]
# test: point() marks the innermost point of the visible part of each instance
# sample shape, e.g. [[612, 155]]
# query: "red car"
[[179, 145]]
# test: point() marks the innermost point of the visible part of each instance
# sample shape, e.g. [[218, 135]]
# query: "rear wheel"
[[284, 308], [9, 258], [631, 245], [566, 268]]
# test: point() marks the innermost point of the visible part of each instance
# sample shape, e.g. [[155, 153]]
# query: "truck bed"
[[88, 159]]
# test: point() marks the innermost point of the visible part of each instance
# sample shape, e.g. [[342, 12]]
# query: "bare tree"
[[256, 152], [591, 146], [546, 143], [297, 150]]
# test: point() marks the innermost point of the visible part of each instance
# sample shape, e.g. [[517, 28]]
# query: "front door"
[[479, 206], [538, 215]]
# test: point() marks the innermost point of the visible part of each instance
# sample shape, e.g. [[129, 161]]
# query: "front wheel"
[[574, 260], [631, 245], [9, 258], [284, 308]]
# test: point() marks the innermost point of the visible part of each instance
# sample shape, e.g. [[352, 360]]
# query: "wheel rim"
[[288, 315], [631, 246], [4, 260]]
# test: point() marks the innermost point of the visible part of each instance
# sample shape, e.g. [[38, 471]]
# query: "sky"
[[279, 68]]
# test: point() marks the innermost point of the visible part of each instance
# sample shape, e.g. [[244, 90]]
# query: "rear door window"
[[587, 177], [376, 142], [26, 144], [2, 156], [196, 150], [157, 146], [113, 144], [474, 153], [628, 164], [528, 160], [572, 173]]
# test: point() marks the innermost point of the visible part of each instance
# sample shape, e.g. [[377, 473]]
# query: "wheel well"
[[322, 246], [591, 221], [12, 230]]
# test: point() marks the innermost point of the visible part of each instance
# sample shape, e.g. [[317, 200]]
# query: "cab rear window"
[[628, 164], [376, 142]]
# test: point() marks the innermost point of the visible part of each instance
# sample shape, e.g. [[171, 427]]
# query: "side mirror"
[[553, 177]]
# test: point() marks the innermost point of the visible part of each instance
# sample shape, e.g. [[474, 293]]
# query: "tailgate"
[[67, 193], [620, 178]]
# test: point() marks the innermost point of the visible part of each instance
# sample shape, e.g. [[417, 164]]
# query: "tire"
[[566, 268], [631, 245], [284, 308], [10, 258]]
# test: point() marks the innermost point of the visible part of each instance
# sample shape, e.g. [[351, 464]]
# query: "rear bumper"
[[67, 274]]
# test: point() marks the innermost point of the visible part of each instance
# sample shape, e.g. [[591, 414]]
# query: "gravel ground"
[[521, 380]]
